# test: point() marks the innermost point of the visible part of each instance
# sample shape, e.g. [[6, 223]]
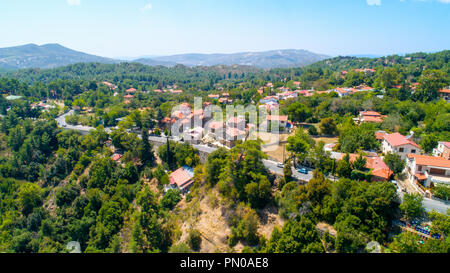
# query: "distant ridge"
[[44, 56], [267, 59], [55, 55]]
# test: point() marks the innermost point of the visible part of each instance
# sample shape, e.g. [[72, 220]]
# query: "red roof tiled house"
[[131, 90], [110, 85], [370, 116], [128, 96], [399, 144], [380, 171], [380, 135], [236, 122], [232, 135], [281, 120], [182, 179], [214, 96], [428, 169], [445, 94], [116, 157], [442, 150]]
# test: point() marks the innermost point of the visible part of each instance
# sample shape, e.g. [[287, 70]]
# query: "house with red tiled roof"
[[297, 84], [442, 150], [128, 96], [282, 121], [236, 122], [214, 96], [131, 90], [380, 135], [287, 95], [225, 101], [182, 179], [342, 92], [370, 116], [445, 94], [399, 144], [428, 169], [269, 99], [270, 106], [116, 157], [232, 135], [110, 85], [379, 170]]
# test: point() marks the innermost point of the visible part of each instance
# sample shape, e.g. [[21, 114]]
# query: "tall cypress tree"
[[147, 157]]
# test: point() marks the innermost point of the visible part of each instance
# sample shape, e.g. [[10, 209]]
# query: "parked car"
[[280, 165], [302, 170]]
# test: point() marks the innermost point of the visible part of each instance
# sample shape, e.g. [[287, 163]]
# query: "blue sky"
[[162, 27]]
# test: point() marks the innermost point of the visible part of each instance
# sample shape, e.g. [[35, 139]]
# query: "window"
[[419, 168], [401, 150], [413, 151]]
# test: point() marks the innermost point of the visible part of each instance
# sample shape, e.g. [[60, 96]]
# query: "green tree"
[[171, 199], [429, 142], [29, 197], [194, 239], [395, 163], [412, 206], [328, 126]]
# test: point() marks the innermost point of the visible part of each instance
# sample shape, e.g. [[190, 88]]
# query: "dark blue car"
[[303, 170]]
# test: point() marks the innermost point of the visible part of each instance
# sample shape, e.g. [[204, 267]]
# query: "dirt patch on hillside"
[[206, 216], [323, 227], [269, 218]]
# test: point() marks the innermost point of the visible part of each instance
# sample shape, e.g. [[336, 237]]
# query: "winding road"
[[272, 166]]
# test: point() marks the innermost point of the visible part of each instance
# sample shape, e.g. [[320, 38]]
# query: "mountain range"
[[45, 56], [55, 55]]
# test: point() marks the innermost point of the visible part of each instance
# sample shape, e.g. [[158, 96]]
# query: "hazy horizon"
[[139, 28]]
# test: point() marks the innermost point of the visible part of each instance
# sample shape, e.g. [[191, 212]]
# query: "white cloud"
[[148, 6], [73, 2], [373, 2], [444, 1]]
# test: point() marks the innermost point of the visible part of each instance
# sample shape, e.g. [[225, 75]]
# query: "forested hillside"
[[108, 189]]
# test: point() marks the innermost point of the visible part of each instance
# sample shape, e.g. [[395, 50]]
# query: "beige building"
[[428, 169], [398, 144]]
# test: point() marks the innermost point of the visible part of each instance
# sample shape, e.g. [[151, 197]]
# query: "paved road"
[[61, 120], [272, 166], [431, 204]]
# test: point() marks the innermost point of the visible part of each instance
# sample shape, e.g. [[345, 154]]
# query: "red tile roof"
[[372, 119], [370, 113], [116, 157], [277, 118], [446, 91], [421, 176], [380, 135], [129, 96], [181, 177], [215, 125], [376, 164], [426, 160], [398, 139], [234, 132], [131, 90]]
